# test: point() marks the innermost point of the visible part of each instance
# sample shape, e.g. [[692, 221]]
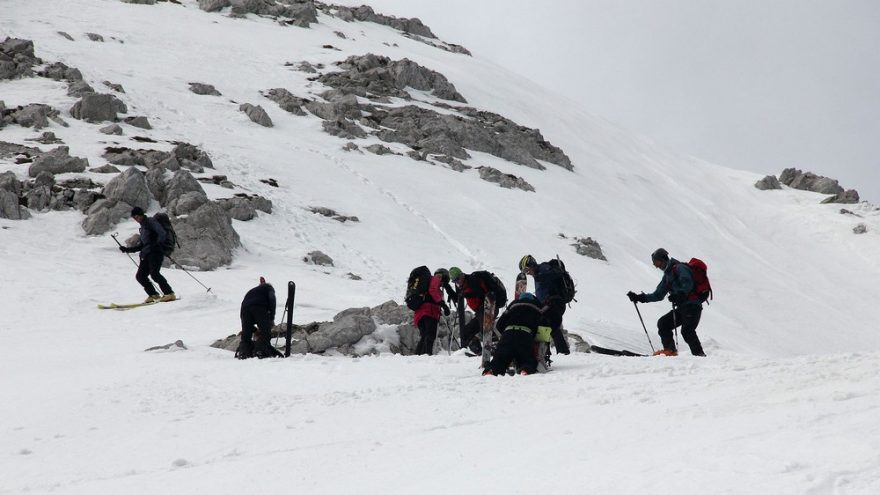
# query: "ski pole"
[[643, 325], [188, 273], [113, 235]]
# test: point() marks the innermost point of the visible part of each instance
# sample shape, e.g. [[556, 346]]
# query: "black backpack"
[[170, 235], [566, 284], [417, 287], [499, 291]]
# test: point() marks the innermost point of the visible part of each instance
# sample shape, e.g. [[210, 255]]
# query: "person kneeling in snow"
[[257, 309], [518, 325]]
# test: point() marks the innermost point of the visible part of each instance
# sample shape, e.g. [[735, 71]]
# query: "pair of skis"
[[123, 307]]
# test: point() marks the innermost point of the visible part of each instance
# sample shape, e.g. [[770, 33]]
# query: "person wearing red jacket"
[[427, 316], [474, 288]]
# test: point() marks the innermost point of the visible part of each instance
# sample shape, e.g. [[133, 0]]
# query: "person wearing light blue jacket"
[[678, 282]]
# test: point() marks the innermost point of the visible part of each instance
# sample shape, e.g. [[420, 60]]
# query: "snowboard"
[[521, 286], [488, 328]]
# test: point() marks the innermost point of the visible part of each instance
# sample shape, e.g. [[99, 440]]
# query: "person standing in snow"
[[678, 282], [518, 326], [548, 289], [427, 316], [475, 287], [152, 237], [257, 309]]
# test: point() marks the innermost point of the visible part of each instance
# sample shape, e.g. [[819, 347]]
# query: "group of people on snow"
[[527, 326]]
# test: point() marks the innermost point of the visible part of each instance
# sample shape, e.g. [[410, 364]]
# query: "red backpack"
[[702, 288]]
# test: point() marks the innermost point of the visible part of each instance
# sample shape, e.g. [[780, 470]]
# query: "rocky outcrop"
[[58, 71], [289, 12], [808, 181], [103, 215], [129, 187], [113, 129], [10, 205], [372, 76], [850, 196], [318, 258], [286, 100], [140, 121], [507, 181], [329, 213], [207, 238], [17, 58], [98, 107], [244, 207], [365, 13], [213, 5], [201, 88], [257, 114], [95, 37], [589, 248], [860, 229], [768, 183], [57, 161]]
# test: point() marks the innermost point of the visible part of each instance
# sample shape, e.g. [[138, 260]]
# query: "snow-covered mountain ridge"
[[792, 283]]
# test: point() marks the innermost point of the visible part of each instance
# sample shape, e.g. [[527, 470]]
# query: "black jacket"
[[262, 296], [522, 313], [152, 235]]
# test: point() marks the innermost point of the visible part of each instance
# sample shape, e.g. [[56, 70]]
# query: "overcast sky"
[[752, 84]]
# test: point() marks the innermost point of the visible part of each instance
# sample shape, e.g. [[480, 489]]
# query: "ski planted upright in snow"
[[488, 328]]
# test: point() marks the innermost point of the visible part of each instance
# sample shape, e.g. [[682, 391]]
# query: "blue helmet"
[[527, 296]]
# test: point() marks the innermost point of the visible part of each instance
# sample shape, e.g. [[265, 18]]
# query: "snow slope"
[[786, 403]]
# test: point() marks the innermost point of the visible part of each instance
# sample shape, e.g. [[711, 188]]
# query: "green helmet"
[[455, 273], [526, 261]]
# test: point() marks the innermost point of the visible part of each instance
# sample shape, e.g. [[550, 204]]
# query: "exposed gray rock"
[[380, 149], [860, 229], [767, 183], [365, 13], [171, 163], [155, 178], [57, 161], [97, 107], [129, 187], [257, 114], [187, 203], [213, 6], [44, 179], [78, 89], [181, 183], [65, 35], [290, 12], [340, 34], [139, 121], [141, 2], [318, 258], [103, 215], [10, 150], [60, 72], [207, 238], [105, 169], [244, 207], [506, 181], [307, 67], [286, 100], [844, 211], [177, 345], [95, 37], [34, 115], [114, 129], [370, 75], [590, 248], [17, 58], [453, 163], [83, 199], [48, 138], [343, 128], [201, 88], [11, 208], [351, 146], [329, 213], [186, 151], [427, 130], [115, 87], [848, 197], [347, 328], [808, 181], [39, 197]]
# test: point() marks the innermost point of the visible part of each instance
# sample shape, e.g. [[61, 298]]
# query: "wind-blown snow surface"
[[786, 403]]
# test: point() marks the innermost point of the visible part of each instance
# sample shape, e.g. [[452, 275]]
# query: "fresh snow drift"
[[786, 402]]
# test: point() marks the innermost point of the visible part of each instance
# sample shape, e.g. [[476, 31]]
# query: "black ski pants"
[[149, 267], [688, 317], [553, 315], [427, 333], [518, 345], [470, 332], [256, 316]]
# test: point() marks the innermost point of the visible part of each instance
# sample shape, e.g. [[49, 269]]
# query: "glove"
[[677, 298], [633, 297], [124, 249]]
